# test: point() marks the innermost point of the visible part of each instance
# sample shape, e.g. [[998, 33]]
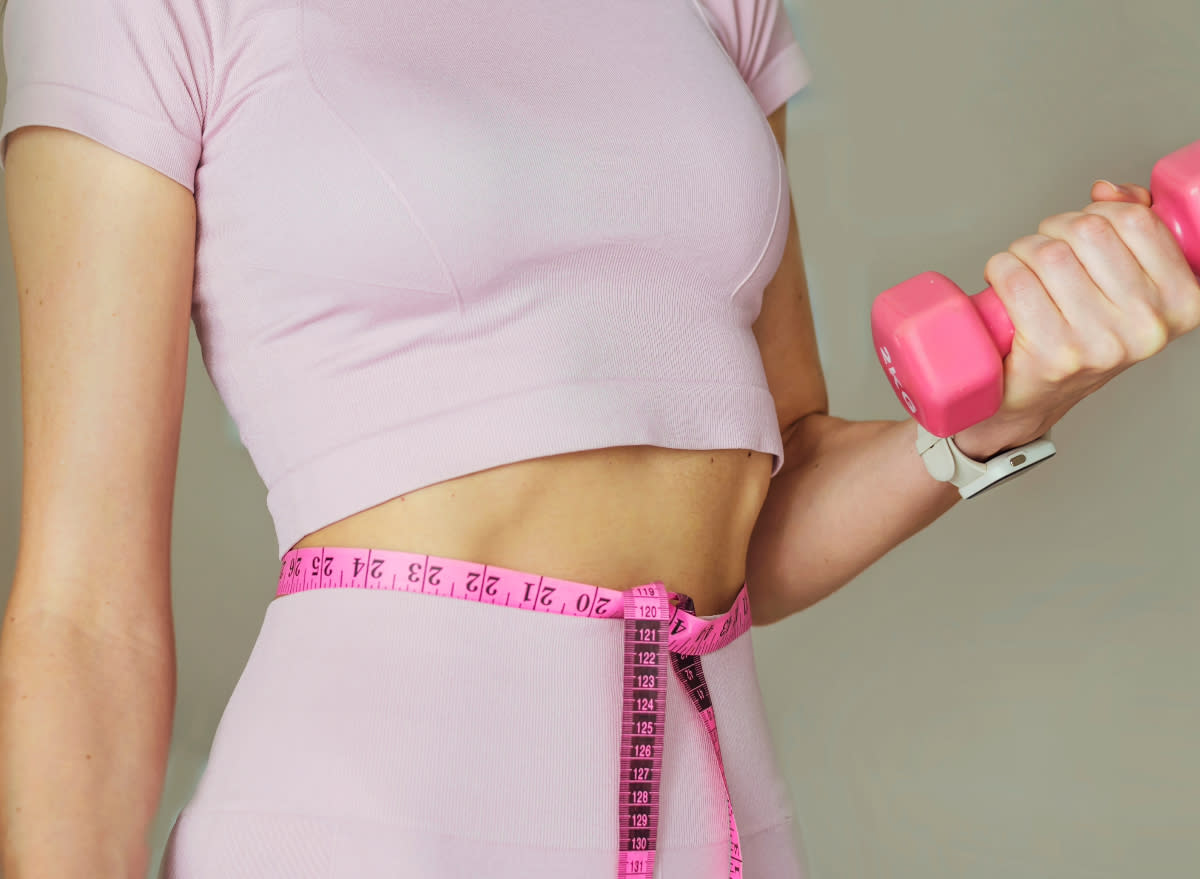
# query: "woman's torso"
[[434, 244], [614, 517]]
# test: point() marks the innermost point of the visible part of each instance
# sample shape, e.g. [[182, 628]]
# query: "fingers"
[[1121, 297], [1092, 293], [1041, 327], [1104, 190], [1154, 247], [1151, 243], [1081, 298]]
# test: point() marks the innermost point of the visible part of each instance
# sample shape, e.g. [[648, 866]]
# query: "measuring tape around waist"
[[655, 627]]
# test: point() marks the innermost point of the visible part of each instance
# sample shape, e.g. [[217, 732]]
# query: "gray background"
[[1014, 691]]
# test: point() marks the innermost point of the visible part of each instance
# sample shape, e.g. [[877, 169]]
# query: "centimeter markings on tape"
[[655, 628], [643, 718]]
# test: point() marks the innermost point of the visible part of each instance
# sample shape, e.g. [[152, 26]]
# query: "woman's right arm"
[[104, 254]]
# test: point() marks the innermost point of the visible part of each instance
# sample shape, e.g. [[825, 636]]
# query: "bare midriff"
[[615, 517]]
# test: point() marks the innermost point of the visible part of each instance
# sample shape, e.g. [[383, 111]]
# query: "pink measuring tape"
[[655, 627]]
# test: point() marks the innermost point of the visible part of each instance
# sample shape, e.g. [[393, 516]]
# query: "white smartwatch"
[[947, 463]]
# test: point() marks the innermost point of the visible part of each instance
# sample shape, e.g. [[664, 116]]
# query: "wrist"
[[975, 445], [998, 459], [986, 440]]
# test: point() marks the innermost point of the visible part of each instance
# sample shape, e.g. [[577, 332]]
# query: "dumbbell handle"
[[1169, 202]]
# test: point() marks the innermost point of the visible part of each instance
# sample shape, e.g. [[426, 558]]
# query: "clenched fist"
[[1092, 293]]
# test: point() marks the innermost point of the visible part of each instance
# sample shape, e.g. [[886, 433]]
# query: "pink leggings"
[[387, 734]]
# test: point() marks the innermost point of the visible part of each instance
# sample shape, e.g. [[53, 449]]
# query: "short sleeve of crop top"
[[135, 75], [131, 74], [758, 36]]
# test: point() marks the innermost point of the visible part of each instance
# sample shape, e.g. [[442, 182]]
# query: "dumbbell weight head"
[[1175, 188], [943, 351]]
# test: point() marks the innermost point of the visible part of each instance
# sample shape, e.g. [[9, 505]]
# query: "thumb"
[[1103, 190]]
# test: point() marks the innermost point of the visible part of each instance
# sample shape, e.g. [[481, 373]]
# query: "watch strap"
[[946, 462]]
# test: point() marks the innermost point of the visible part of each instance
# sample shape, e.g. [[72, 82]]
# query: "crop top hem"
[[536, 422]]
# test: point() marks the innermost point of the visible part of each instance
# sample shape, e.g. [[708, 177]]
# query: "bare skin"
[[681, 517]]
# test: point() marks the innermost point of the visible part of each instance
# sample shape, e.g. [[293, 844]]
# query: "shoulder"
[[134, 75]]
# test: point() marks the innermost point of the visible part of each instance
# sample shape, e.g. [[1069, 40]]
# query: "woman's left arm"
[[848, 491], [1094, 292]]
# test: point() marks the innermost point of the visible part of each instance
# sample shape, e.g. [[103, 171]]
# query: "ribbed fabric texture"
[[384, 734], [435, 238]]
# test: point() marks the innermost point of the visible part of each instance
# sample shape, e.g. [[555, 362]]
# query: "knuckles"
[[1187, 315], [1191, 312], [1001, 265], [1054, 253], [1098, 354], [1042, 252], [1072, 358], [1106, 352], [1133, 220], [1091, 229], [1016, 278], [1149, 334], [1061, 363]]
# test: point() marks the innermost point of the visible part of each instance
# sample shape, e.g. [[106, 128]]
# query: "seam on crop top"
[[218, 21], [401, 425], [325, 276], [779, 179], [207, 19], [779, 175], [388, 179]]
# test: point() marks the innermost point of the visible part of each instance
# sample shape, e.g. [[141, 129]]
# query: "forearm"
[[85, 724], [849, 492]]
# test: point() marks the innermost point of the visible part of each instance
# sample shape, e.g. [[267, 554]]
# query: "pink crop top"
[[435, 238]]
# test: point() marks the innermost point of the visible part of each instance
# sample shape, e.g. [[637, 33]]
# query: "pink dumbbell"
[[944, 351]]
